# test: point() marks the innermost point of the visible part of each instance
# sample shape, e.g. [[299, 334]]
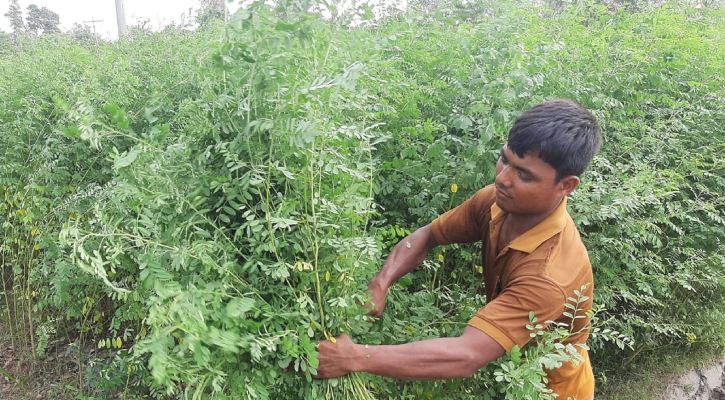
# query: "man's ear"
[[568, 184]]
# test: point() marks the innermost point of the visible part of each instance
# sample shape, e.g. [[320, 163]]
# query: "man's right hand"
[[406, 256], [376, 305]]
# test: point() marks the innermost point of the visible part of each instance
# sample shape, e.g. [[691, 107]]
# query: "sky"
[[159, 12]]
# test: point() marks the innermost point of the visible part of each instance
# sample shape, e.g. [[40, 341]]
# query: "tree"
[[43, 20], [211, 10], [84, 34], [15, 15]]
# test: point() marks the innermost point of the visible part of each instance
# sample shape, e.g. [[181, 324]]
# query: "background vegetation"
[[187, 213]]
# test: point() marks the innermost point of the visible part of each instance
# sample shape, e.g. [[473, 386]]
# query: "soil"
[[707, 383], [23, 377]]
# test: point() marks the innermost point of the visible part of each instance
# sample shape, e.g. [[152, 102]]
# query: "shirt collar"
[[537, 235]]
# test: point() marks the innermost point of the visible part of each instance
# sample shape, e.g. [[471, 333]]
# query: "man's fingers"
[[375, 313]]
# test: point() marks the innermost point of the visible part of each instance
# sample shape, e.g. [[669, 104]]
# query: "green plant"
[[189, 192]]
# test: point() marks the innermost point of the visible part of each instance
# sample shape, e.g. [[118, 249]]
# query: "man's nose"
[[503, 178]]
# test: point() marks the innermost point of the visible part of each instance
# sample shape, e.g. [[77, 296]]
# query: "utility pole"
[[93, 23], [121, 18]]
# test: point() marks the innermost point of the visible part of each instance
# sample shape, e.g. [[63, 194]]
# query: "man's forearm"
[[443, 358], [408, 254], [426, 360]]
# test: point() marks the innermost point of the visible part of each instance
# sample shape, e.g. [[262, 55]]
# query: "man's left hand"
[[336, 358]]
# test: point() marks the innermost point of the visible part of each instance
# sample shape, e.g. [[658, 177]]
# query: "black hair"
[[563, 133]]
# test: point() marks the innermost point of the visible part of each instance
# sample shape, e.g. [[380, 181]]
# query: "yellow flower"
[[454, 188]]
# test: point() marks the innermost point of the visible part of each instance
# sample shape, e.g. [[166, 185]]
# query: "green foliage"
[[15, 15], [84, 34], [248, 241], [211, 10], [50, 177], [201, 208], [42, 20], [653, 213]]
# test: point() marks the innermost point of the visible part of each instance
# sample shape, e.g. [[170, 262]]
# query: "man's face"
[[528, 186]]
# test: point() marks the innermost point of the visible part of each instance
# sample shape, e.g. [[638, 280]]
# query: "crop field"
[[186, 214]]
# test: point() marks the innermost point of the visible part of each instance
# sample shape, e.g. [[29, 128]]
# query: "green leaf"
[[237, 307], [127, 160]]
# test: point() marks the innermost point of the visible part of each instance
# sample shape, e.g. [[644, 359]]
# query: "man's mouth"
[[501, 193]]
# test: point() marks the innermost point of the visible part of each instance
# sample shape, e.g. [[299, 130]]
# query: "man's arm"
[[408, 254], [444, 358]]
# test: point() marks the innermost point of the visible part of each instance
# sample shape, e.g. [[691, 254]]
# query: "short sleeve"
[[467, 222], [505, 318]]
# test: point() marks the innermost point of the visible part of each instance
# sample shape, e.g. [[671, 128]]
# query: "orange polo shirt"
[[535, 272]]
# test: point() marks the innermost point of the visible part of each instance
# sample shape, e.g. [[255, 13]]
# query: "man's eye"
[[525, 178]]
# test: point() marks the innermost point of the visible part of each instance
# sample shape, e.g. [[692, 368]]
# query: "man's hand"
[[376, 306], [408, 254], [336, 358]]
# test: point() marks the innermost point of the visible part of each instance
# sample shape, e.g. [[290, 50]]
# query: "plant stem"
[[316, 248]]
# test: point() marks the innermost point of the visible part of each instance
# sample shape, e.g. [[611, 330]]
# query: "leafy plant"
[[201, 207]]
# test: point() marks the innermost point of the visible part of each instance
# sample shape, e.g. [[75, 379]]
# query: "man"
[[533, 259]]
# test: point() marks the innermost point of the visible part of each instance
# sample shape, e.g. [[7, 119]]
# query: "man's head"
[[562, 132], [549, 146]]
